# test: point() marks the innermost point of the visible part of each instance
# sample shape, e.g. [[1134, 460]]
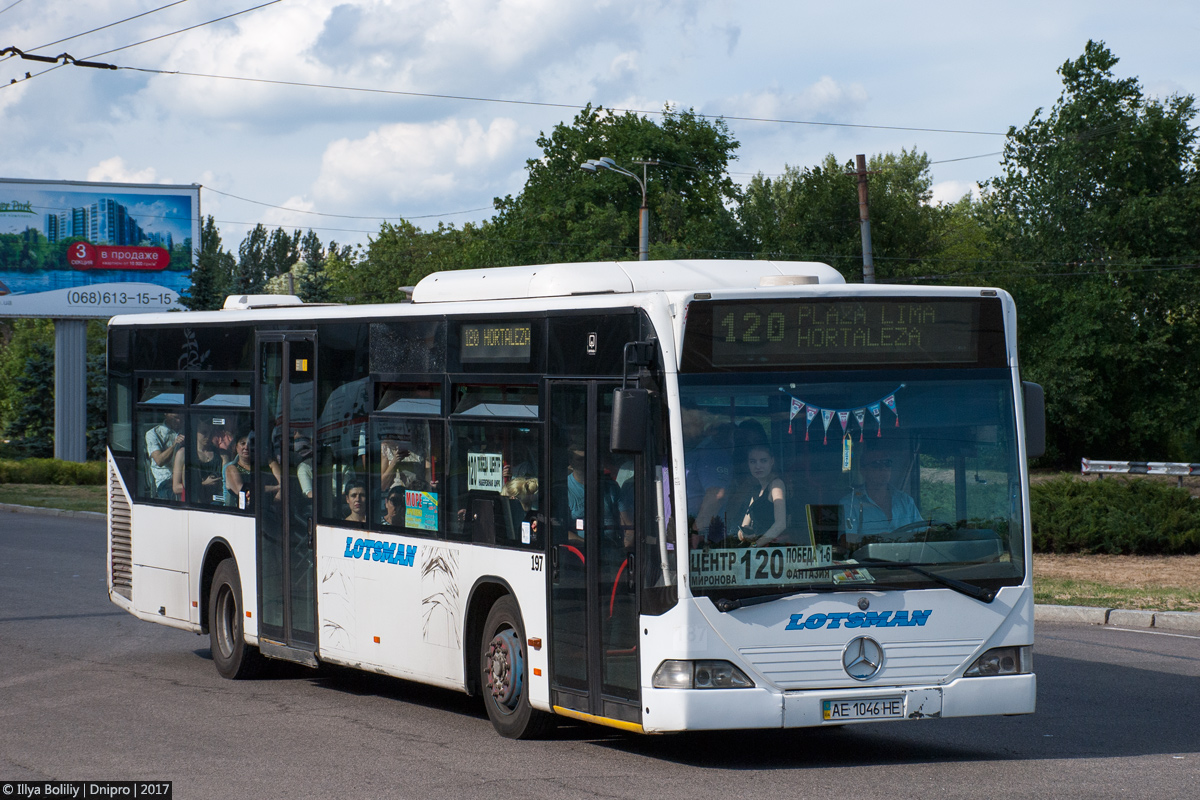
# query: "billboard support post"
[[70, 389]]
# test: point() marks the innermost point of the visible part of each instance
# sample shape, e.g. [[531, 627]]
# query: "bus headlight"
[[1002, 661], [676, 674]]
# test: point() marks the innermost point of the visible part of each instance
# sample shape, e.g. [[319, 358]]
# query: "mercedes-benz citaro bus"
[[660, 496]]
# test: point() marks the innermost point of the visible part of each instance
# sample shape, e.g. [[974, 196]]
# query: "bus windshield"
[[846, 479]]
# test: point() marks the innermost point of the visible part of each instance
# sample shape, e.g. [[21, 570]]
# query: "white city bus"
[[664, 496]]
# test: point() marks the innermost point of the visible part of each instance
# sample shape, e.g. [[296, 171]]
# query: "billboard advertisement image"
[[74, 249]]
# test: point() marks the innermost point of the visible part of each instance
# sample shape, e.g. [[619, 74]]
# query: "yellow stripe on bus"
[[612, 723]]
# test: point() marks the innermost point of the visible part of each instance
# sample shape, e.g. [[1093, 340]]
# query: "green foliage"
[[52, 471], [565, 214], [400, 256], [1137, 517], [813, 214], [213, 272], [1107, 174], [30, 427], [1093, 199]]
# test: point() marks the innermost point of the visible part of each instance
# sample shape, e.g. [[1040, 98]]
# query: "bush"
[[1137, 517], [52, 471]]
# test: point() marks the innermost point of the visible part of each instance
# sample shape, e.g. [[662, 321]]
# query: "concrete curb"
[[1188, 621], [49, 512]]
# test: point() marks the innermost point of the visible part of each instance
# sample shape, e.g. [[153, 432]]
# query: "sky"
[[336, 116]]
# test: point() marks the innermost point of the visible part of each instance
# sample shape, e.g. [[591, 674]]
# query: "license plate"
[[877, 708]]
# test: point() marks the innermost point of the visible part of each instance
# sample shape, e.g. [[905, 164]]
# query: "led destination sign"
[[507, 342], [798, 333]]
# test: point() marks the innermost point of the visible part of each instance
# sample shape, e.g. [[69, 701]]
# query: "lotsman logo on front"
[[387, 552], [858, 619]]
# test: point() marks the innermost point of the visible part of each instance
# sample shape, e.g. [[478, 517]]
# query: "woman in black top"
[[765, 515]]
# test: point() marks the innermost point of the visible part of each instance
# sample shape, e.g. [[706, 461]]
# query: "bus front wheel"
[[233, 658], [504, 675]]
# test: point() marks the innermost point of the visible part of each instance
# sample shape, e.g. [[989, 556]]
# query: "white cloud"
[[407, 162], [114, 170], [952, 191], [824, 99]]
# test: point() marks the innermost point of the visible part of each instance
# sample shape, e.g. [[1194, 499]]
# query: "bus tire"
[[233, 658], [504, 675]]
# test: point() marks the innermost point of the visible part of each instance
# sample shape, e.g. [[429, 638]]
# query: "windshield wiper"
[[962, 587], [725, 604]]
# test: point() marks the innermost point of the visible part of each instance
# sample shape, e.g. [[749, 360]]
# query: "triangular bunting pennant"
[[843, 415], [890, 402], [877, 412]]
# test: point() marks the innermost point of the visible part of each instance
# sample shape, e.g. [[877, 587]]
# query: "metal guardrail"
[[1176, 468]]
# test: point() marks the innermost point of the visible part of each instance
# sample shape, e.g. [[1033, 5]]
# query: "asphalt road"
[[87, 692]]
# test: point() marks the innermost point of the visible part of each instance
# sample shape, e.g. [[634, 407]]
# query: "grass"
[[68, 498], [1068, 592]]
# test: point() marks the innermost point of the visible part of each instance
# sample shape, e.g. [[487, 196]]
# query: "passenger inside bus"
[[162, 443], [239, 473], [876, 507], [356, 501], [610, 514], [404, 456], [765, 514], [393, 505], [204, 478], [707, 442]]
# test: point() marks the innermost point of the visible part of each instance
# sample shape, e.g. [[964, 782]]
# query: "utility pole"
[[864, 220]]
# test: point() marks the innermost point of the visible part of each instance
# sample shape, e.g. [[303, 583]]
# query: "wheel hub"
[[505, 668]]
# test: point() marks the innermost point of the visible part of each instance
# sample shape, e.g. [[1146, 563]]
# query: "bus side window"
[[494, 484], [408, 463]]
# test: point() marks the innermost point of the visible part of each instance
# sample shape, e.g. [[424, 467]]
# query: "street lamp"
[[594, 164]]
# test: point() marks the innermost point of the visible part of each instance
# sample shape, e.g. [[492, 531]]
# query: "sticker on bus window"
[[421, 510], [485, 472]]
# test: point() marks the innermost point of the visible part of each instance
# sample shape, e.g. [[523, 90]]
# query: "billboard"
[[92, 250]]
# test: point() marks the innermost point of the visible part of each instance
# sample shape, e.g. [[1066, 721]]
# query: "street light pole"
[[594, 164]]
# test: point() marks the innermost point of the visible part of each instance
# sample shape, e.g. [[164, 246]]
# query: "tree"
[[1094, 212], [281, 252], [812, 214], [566, 214], [213, 271], [1107, 175], [400, 255], [30, 424], [250, 274]]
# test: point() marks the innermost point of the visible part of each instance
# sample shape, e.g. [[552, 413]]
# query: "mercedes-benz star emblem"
[[863, 604], [862, 658]]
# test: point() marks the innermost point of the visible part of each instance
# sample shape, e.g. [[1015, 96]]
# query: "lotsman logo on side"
[[387, 552], [858, 619]]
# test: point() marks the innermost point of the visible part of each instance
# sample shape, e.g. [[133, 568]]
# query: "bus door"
[[287, 610], [593, 598]]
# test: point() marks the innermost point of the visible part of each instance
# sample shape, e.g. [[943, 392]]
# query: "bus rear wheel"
[[504, 675], [233, 658]]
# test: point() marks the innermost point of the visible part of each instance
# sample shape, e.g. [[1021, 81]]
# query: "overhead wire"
[[88, 61], [346, 216], [109, 25], [542, 104]]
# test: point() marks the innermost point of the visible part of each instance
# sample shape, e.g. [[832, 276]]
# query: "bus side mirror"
[[630, 407], [1035, 419]]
